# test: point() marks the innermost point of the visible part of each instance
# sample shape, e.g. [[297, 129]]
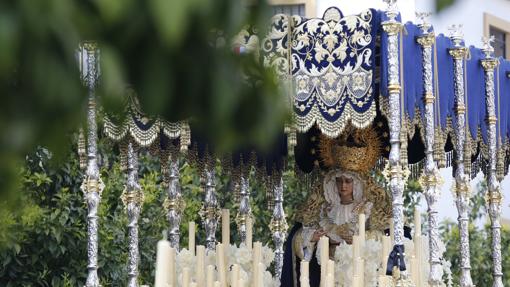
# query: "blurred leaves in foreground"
[[166, 50]]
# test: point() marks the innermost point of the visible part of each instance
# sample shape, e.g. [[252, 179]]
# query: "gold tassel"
[[500, 164], [467, 156], [185, 136], [403, 146], [439, 155], [82, 150], [290, 131]]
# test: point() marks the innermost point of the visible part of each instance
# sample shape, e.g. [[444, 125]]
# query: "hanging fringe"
[[185, 139], [403, 145], [500, 164], [439, 154], [467, 155], [290, 131], [82, 150]]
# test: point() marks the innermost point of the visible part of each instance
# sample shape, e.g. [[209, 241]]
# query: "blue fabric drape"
[[413, 72], [504, 100], [444, 91], [475, 89]]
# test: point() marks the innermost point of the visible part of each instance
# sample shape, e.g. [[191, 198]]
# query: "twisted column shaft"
[[210, 211], [132, 198], [174, 203], [494, 192], [392, 27], [462, 190], [92, 185], [244, 207], [279, 227], [430, 180]]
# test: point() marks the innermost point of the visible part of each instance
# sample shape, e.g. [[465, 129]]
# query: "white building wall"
[[348, 7], [469, 13]]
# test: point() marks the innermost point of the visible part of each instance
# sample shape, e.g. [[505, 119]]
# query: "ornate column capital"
[[426, 40]]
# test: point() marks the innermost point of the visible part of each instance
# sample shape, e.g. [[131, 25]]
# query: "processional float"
[[450, 101]]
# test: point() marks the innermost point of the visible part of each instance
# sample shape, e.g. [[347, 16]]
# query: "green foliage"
[[479, 244], [169, 52], [45, 243]]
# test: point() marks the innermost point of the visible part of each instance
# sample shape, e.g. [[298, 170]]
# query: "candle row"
[[225, 231], [166, 268]]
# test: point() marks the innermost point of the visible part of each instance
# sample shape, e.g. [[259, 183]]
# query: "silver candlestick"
[[462, 188], [278, 227], [430, 180], [92, 185], [489, 63], [132, 197]]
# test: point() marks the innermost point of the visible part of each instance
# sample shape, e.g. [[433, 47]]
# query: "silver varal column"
[[278, 227], [494, 197], [132, 197], [244, 207], [174, 203], [461, 187], [210, 211], [394, 170], [430, 180], [92, 185]]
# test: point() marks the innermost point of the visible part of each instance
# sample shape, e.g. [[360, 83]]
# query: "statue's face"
[[345, 188]]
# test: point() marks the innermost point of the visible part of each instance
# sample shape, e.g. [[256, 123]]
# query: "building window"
[[303, 8], [296, 9], [499, 41], [500, 29]]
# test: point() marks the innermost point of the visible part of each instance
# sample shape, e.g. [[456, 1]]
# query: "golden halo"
[[354, 150]]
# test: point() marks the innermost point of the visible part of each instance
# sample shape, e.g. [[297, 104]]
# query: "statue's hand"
[[347, 238], [318, 234]]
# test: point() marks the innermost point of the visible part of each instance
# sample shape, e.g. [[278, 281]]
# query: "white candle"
[[217, 284], [361, 230], [386, 245], [355, 247], [324, 252], [235, 276], [220, 264], [241, 283], [260, 275], [305, 267], [186, 277], [200, 267], [162, 263], [210, 276], [249, 231], [331, 271], [193, 284], [355, 281], [361, 272], [172, 280], [417, 222], [256, 258], [329, 280], [225, 227], [191, 237]]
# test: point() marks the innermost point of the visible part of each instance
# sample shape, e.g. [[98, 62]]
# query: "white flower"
[[185, 259], [243, 257], [210, 258], [267, 255]]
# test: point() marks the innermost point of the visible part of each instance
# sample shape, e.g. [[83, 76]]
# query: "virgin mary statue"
[[332, 208]]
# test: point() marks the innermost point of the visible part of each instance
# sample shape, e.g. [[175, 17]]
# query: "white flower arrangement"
[[372, 256], [240, 255]]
